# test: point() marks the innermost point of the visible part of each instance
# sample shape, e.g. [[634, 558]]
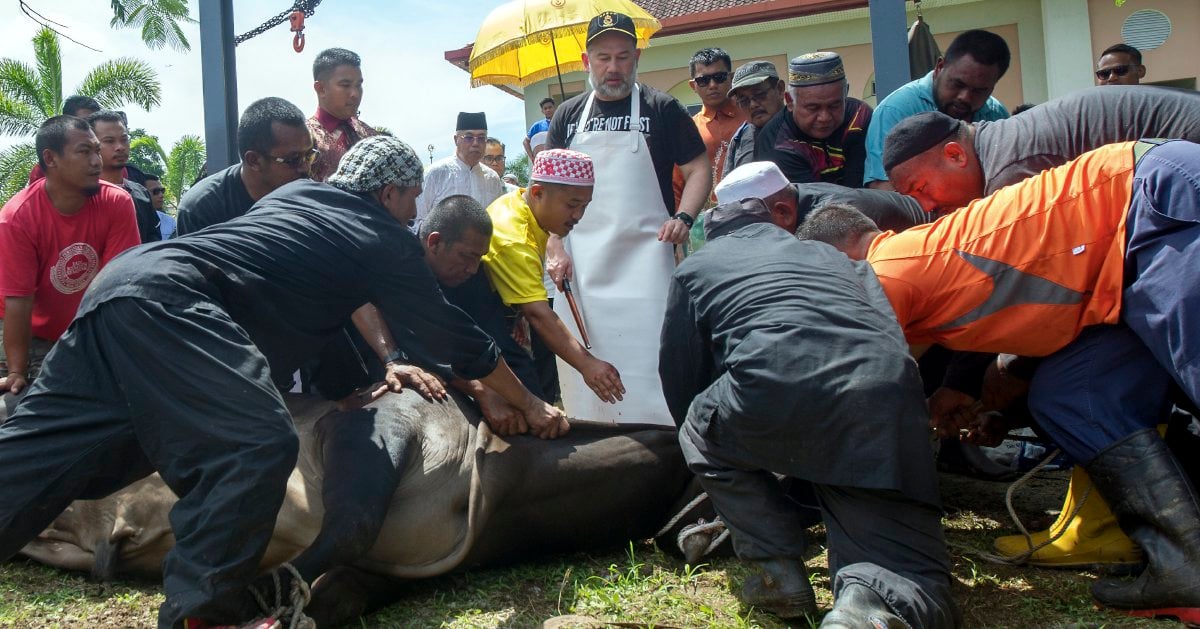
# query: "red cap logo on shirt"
[[77, 265]]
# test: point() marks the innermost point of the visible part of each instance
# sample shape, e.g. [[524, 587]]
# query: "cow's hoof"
[[337, 598]]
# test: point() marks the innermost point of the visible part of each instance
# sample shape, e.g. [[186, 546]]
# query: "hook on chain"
[[297, 20]]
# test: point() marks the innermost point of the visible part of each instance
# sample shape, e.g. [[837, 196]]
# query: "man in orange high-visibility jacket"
[[1091, 264]]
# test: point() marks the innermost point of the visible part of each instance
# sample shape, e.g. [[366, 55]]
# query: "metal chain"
[[307, 6]]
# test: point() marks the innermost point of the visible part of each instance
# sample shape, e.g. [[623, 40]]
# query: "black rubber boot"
[[1157, 507], [859, 607], [782, 588]]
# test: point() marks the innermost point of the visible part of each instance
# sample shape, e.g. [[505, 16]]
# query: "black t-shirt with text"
[[669, 131]]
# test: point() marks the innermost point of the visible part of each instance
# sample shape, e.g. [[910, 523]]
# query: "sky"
[[409, 87]]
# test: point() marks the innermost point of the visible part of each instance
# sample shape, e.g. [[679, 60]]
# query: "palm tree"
[[31, 94], [145, 152], [158, 19], [183, 165]]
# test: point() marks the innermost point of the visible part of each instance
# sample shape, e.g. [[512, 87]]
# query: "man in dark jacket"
[[780, 358], [167, 367]]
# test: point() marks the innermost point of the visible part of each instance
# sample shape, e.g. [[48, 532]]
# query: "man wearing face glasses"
[[276, 148], [758, 93], [463, 172], [718, 118], [1120, 64]]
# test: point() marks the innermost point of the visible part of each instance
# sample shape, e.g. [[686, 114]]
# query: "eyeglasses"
[[472, 139], [704, 79], [745, 99], [157, 191], [493, 158], [1120, 70], [296, 161]]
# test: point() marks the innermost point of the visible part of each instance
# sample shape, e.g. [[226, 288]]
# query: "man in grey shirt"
[[981, 158]]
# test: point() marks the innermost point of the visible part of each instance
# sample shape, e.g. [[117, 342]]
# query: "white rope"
[[298, 598], [703, 527], [1023, 558], [682, 512]]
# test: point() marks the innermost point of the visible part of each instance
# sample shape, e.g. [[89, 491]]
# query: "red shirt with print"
[[54, 257]]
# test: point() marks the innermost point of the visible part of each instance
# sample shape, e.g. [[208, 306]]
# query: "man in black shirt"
[[167, 368], [821, 136], [780, 357], [110, 129], [276, 149]]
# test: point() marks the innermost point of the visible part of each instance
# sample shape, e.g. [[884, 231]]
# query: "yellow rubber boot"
[[1091, 538]]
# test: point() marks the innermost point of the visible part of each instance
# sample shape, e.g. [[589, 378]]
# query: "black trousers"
[[877, 538], [138, 386]]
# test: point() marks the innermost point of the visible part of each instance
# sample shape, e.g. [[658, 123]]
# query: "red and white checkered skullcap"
[[563, 166]]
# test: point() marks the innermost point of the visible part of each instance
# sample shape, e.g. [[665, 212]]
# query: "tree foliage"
[[159, 21], [145, 152], [519, 167], [30, 94], [183, 165]]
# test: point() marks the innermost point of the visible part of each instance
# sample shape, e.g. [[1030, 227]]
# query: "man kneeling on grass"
[[783, 357]]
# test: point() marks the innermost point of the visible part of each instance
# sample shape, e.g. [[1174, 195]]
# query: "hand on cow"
[[558, 262], [604, 380], [502, 417], [428, 385], [950, 410], [545, 421], [13, 383], [674, 232], [1001, 388]]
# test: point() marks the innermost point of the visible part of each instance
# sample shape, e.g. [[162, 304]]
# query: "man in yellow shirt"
[[560, 188]]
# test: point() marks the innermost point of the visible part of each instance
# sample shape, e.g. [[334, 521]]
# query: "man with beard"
[[960, 86], [619, 259], [55, 235], [758, 93], [110, 129], [822, 135], [167, 368]]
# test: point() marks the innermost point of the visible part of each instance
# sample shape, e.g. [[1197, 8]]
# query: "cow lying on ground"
[[460, 496]]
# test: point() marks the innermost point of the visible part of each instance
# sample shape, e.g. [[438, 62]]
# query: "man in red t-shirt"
[[55, 235]]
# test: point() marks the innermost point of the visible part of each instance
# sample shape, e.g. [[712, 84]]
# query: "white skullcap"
[[756, 180]]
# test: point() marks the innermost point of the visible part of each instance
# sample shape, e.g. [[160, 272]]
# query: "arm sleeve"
[[516, 272], [18, 261], [902, 297], [1022, 170], [417, 312], [885, 116], [556, 136], [122, 230], [685, 365], [855, 150]]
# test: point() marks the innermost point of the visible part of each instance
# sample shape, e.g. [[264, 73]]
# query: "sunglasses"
[[296, 161], [472, 139], [157, 191], [1120, 70], [704, 79]]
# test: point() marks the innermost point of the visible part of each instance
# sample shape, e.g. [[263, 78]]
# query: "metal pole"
[[219, 82], [889, 45]]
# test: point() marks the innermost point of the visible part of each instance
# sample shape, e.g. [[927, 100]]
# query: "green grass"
[[635, 586]]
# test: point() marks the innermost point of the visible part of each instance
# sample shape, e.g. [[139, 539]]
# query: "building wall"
[[1177, 59]]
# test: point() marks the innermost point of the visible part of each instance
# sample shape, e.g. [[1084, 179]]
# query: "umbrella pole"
[[562, 91]]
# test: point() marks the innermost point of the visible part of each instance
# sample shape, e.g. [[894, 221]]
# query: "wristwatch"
[[686, 219]]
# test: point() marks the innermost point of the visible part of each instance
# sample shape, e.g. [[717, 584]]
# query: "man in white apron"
[[620, 257]]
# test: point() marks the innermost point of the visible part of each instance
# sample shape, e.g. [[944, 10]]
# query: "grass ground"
[[636, 586]]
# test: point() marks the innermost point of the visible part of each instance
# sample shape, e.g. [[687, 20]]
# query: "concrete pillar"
[[1067, 34]]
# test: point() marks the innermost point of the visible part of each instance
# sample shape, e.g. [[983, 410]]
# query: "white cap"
[[756, 180], [538, 139]]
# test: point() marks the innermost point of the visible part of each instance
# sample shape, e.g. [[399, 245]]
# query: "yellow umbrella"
[[525, 41]]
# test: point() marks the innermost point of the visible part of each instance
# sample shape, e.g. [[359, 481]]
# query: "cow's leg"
[[69, 438], [364, 453]]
